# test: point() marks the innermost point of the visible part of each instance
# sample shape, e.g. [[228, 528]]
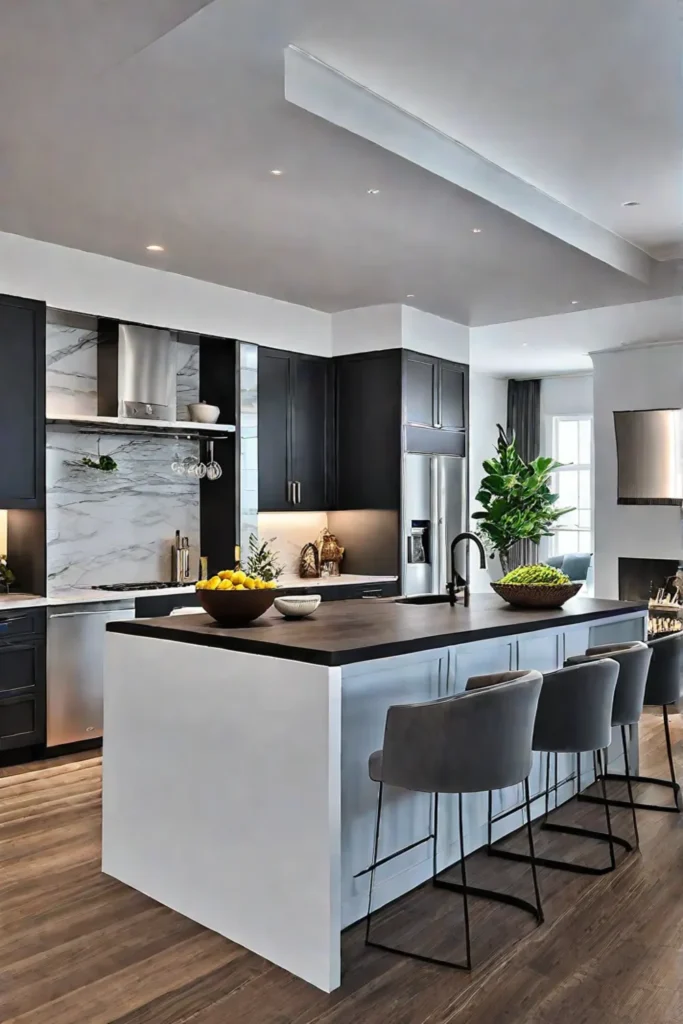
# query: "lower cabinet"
[[22, 694]]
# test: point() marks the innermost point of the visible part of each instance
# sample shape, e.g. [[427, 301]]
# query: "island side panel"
[[221, 794]]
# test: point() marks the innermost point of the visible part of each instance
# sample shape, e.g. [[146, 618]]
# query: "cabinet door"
[[310, 431], [420, 390], [22, 402], [22, 695], [452, 399], [274, 430]]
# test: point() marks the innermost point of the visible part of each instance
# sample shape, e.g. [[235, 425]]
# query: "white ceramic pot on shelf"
[[201, 412]]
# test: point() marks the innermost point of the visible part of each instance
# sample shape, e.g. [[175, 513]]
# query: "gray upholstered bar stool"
[[633, 658], [663, 688], [473, 742], [574, 717]]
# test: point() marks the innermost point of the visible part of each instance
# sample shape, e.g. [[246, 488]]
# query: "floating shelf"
[[143, 428]]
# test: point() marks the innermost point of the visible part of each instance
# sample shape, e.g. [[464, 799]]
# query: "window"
[[572, 445]]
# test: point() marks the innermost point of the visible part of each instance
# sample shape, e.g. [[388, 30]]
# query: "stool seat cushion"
[[575, 709], [664, 677]]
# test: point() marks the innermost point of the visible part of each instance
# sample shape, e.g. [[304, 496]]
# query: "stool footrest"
[[575, 830], [589, 799], [418, 956], [391, 856], [490, 894], [547, 862]]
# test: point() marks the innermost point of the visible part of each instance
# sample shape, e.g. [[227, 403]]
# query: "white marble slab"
[[71, 370], [116, 527]]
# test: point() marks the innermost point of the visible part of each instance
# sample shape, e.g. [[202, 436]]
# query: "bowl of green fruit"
[[536, 586]]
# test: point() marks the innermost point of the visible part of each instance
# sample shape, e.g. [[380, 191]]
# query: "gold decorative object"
[[309, 562], [330, 553]]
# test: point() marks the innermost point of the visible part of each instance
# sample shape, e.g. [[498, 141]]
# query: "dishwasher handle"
[[72, 615]]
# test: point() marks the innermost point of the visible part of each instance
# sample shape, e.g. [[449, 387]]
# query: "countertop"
[[84, 595], [344, 632]]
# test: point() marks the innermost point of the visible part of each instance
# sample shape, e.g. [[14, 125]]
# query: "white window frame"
[[574, 467]]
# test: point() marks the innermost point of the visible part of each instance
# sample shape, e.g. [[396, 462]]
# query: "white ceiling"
[[159, 120]]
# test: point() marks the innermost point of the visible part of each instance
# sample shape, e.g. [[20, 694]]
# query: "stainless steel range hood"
[[136, 372], [649, 456]]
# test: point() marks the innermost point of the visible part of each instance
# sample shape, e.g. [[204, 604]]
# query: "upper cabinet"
[[22, 402], [294, 431], [435, 392]]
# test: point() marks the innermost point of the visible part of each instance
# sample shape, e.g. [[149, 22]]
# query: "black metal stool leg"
[[646, 780], [608, 815], [463, 871], [532, 852], [375, 850], [629, 785]]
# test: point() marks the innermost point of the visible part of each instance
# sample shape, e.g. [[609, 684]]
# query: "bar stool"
[[574, 716], [472, 742], [663, 688], [633, 659]]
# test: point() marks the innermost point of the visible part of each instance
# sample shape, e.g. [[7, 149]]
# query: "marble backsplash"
[[112, 527], [116, 527]]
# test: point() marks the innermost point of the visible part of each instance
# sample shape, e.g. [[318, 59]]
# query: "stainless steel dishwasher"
[[75, 668]]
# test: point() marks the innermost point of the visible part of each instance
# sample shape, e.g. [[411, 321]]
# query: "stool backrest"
[[469, 743], [633, 658], [664, 677], [575, 708]]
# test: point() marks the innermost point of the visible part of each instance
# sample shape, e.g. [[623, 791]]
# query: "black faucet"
[[457, 582]]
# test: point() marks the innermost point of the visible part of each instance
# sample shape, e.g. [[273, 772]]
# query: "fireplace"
[[659, 581]]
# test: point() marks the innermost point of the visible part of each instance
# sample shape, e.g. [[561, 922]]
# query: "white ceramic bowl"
[[297, 607], [200, 412]]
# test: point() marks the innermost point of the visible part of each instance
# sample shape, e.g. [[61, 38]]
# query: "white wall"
[[488, 406], [563, 396], [88, 283], [372, 328], [647, 377]]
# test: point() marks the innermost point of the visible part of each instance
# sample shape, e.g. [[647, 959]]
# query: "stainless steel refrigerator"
[[434, 512]]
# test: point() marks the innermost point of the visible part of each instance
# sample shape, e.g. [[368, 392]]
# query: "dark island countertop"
[[344, 632]]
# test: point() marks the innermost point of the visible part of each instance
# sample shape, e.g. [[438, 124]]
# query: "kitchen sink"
[[425, 599]]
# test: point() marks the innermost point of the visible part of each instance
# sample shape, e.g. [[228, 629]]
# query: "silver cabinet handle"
[[298, 492], [290, 492]]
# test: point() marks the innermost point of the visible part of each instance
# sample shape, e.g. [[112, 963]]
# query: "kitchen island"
[[235, 765]]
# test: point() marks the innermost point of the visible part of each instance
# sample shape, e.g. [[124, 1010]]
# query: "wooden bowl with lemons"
[[232, 598]]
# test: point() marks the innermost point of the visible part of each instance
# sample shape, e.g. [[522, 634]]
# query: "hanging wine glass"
[[177, 465], [213, 469]]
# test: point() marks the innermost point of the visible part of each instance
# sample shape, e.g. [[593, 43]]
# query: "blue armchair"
[[576, 566]]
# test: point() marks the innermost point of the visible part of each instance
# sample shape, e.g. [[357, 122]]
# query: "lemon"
[[226, 574], [249, 583], [201, 585], [212, 584], [240, 587], [225, 585], [258, 584], [270, 585], [239, 576]]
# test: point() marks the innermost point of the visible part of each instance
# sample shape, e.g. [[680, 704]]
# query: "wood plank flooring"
[[77, 947]]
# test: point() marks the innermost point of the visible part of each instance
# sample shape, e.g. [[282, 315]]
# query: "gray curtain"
[[524, 420]]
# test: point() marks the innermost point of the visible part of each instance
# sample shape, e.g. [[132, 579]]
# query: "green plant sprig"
[[105, 463], [262, 561]]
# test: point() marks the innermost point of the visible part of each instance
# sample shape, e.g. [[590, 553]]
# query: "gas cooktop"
[[156, 585]]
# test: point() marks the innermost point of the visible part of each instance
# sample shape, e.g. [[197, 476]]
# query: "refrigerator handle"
[[444, 573], [435, 516]]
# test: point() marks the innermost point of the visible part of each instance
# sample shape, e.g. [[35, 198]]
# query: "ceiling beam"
[[326, 92]]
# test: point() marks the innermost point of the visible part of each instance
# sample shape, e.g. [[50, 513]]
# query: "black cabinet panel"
[[151, 607], [310, 432], [452, 401], [22, 695], [428, 441], [369, 430], [22, 402], [20, 623], [420, 390], [274, 430]]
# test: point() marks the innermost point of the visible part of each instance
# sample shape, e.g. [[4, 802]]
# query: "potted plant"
[[6, 575], [516, 499]]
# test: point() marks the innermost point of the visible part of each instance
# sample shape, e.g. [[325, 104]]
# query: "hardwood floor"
[[77, 947]]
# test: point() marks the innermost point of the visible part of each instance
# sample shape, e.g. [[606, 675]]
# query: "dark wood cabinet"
[[294, 431], [369, 430], [435, 392], [22, 694], [22, 402]]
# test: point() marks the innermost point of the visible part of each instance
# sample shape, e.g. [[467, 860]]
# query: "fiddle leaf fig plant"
[[516, 499]]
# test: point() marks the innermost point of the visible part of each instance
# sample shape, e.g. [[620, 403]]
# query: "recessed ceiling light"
[[410, 295], [631, 202], [373, 191], [276, 172], [575, 302], [155, 248], [525, 344], [476, 231]]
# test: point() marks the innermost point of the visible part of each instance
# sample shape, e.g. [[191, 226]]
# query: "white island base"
[[236, 789]]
